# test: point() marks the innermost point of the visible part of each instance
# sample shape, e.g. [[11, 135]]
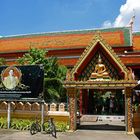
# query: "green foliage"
[[61, 126], [2, 61], [19, 124], [61, 72], [54, 89], [34, 56], [54, 73], [3, 122], [24, 124], [54, 70]]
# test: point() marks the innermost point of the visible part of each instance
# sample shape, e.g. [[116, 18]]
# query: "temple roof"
[[136, 41], [116, 37]]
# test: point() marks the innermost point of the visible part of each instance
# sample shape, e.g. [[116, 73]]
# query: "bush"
[[21, 124], [3, 122], [25, 124], [61, 126]]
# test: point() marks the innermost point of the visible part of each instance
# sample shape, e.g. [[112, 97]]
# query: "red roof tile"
[[64, 40]]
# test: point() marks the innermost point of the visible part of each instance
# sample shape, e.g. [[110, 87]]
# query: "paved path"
[[78, 135]]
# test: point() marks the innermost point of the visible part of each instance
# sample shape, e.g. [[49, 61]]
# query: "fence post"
[[8, 115], [42, 113]]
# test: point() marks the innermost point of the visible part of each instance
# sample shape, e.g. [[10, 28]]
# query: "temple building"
[[104, 67], [69, 45]]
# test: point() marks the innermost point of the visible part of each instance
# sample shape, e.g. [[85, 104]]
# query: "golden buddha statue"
[[100, 72]]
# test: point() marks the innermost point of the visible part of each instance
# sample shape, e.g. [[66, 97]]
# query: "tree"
[[54, 73], [34, 56], [2, 61]]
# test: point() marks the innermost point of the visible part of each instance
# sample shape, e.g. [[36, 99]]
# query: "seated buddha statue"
[[99, 71]]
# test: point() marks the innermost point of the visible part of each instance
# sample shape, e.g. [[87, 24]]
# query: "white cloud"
[[107, 24], [126, 12]]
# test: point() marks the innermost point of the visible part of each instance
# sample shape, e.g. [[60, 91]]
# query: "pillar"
[[128, 109], [81, 102], [42, 113], [86, 101], [72, 107], [9, 115]]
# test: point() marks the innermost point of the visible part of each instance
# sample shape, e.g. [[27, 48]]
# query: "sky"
[[36, 16]]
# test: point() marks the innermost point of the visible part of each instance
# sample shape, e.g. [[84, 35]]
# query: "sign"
[[21, 81]]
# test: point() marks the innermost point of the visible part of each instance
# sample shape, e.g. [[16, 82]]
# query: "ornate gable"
[[86, 64]]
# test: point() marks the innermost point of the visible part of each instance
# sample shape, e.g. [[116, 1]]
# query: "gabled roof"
[[90, 52], [116, 37]]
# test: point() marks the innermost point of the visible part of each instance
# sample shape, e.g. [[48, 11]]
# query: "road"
[[77, 135]]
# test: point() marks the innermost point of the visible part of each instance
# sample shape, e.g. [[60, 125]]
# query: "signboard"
[[21, 81]]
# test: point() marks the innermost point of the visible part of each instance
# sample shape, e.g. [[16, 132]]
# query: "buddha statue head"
[[99, 60]]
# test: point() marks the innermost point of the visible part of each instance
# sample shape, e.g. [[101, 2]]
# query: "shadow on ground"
[[138, 135], [102, 127]]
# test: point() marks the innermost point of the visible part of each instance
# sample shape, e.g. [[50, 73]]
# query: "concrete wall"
[[28, 110]]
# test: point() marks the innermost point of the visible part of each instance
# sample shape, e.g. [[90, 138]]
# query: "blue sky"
[[35, 16]]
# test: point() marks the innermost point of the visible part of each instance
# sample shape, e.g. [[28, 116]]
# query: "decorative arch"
[[86, 63]]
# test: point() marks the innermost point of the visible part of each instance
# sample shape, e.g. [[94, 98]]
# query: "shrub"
[[3, 122], [61, 126], [24, 124], [19, 124]]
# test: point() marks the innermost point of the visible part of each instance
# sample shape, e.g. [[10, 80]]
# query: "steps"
[[88, 118]]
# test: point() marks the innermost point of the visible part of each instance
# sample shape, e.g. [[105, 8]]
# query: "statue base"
[[99, 79]]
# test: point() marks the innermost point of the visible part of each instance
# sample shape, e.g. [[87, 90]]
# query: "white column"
[[9, 114], [42, 113]]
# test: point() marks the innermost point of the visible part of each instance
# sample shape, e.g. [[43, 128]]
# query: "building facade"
[[100, 61], [69, 45]]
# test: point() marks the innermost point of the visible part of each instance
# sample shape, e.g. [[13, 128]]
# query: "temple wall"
[[28, 110]]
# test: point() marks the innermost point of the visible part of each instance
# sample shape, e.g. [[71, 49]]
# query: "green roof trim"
[[67, 32], [127, 37], [136, 33]]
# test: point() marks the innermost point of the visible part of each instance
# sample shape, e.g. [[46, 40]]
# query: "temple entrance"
[[103, 102], [99, 77], [102, 109]]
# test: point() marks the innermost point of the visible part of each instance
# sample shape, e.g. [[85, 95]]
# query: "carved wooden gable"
[[86, 64]]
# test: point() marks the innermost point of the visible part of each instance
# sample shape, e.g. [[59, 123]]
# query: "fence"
[[29, 110]]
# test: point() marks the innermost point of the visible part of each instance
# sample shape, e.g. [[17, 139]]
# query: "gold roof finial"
[[131, 22], [98, 34]]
